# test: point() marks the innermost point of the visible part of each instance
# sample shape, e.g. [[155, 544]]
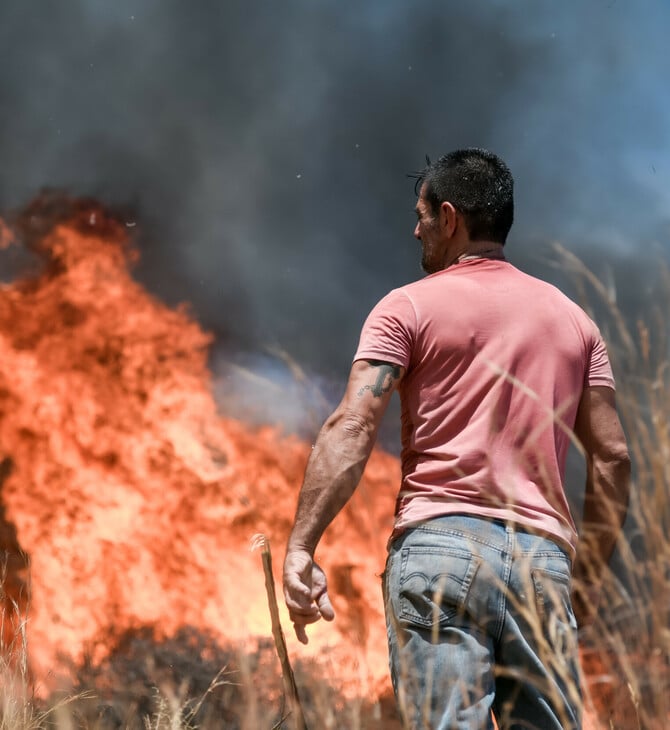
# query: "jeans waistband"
[[478, 527]]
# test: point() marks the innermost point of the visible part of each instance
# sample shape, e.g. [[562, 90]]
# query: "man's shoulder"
[[555, 301], [397, 304], [543, 286]]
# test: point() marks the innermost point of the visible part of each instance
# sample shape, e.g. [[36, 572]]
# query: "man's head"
[[472, 187]]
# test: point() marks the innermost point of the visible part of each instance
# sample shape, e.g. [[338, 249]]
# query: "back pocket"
[[434, 584], [552, 595], [554, 611]]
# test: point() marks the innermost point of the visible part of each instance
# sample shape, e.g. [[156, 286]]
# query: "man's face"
[[428, 232]]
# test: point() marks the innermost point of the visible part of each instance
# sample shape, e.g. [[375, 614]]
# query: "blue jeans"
[[479, 619]]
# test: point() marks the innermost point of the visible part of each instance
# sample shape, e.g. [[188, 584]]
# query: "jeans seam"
[[508, 559], [459, 534]]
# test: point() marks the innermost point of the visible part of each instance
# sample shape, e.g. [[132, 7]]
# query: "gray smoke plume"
[[262, 147]]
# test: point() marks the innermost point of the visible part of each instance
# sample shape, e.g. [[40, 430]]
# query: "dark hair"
[[477, 183]]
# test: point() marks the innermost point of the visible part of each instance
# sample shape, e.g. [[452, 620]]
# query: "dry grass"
[[182, 683], [628, 647]]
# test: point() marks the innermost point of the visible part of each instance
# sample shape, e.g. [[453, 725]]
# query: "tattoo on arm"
[[387, 373]]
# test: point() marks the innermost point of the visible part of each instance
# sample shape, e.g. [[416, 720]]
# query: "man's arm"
[[606, 496], [333, 471]]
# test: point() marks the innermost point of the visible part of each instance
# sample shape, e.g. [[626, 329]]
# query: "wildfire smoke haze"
[[265, 148]]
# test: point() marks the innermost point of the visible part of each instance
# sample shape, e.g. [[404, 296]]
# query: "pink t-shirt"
[[496, 362]]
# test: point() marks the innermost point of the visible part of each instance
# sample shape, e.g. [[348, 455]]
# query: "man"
[[495, 369]]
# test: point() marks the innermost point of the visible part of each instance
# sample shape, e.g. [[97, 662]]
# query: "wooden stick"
[[290, 687]]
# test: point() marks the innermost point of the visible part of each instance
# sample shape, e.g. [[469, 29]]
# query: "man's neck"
[[476, 250], [482, 250]]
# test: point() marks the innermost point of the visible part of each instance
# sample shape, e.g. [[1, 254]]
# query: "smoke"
[[260, 149]]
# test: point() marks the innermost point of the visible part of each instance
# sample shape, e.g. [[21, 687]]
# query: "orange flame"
[[134, 499]]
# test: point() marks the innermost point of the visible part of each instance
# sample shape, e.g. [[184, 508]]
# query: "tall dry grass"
[[627, 649], [189, 681]]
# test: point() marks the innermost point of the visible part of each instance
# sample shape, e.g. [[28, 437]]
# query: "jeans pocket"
[[434, 583], [553, 604]]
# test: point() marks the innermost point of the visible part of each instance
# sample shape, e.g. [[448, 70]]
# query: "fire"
[[134, 500], [131, 497]]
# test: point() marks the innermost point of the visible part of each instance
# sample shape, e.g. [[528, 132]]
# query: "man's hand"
[[585, 600], [305, 591]]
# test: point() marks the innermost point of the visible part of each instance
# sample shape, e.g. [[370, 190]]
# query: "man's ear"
[[448, 218]]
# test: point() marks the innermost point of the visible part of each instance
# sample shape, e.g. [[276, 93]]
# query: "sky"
[[261, 149]]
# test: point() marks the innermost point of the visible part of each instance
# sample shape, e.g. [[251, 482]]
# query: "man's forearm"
[[333, 472], [605, 508]]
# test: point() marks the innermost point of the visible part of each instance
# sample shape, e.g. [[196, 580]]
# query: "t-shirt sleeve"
[[389, 331], [599, 369]]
